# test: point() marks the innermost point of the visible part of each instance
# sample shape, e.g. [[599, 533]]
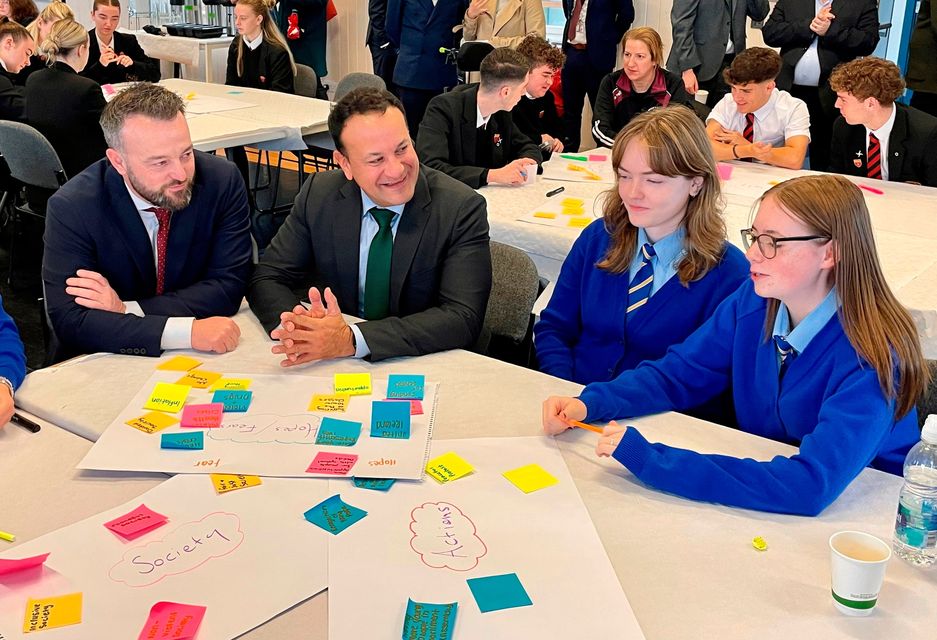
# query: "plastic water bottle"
[[916, 524]]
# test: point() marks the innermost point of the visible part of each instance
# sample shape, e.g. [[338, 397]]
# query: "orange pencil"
[[583, 425]]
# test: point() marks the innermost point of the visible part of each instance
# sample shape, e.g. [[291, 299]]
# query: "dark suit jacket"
[[852, 33], [66, 109], [12, 100], [538, 116], [419, 29], [274, 73], [447, 137], [701, 30], [377, 18], [309, 48], [91, 223], [143, 67], [440, 270], [911, 148], [606, 23]]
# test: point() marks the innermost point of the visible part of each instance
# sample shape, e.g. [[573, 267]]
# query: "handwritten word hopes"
[[444, 537]]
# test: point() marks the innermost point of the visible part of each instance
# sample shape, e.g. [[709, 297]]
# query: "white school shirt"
[[781, 118], [581, 25]]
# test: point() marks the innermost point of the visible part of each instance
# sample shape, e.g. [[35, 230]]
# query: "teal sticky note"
[[405, 386], [494, 593], [334, 515], [188, 440], [427, 621], [234, 93], [234, 400], [339, 433], [390, 419], [375, 484]]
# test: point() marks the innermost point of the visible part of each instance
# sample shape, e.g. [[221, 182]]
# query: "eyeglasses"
[[768, 245]]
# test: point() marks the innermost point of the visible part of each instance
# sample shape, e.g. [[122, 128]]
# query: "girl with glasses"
[[816, 349]]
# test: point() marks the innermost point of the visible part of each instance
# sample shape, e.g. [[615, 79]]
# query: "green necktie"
[[377, 281]]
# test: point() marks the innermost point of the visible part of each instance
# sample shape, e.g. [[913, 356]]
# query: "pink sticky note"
[[139, 521], [333, 464], [12, 566], [108, 89], [202, 416], [595, 157], [725, 170], [172, 620], [416, 406]]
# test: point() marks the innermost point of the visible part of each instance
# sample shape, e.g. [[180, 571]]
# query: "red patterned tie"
[[873, 168], [162, 240], [749, 133], [573, 21]]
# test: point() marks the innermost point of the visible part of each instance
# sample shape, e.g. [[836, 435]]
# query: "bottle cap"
[[929, 432]]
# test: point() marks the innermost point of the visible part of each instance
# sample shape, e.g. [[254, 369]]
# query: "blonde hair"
[[676, 145], [53, 12], [878, 327], [65, 36], [270, 30], [650, 38]]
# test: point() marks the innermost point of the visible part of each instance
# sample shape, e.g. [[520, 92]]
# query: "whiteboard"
[[275, 437]]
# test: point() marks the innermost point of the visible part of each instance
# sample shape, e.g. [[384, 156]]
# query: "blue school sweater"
[[828, 403], [582, 334]]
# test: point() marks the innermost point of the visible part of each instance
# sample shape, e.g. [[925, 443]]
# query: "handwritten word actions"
[[263, 428], [183, 550], [444, 537]]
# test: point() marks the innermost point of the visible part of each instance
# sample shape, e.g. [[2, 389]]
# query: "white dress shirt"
[[581, 25], [781, 118]]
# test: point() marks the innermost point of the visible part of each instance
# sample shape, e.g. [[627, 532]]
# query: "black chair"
[[507, 333]]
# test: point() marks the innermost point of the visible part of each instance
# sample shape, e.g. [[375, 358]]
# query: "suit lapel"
[[346, 239], [469, 130], [896, 144], [127, 220], [857, 147], [409, 233]]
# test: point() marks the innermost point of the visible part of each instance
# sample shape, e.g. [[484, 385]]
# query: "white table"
[[193, 53], [688, 568], [904, 221]]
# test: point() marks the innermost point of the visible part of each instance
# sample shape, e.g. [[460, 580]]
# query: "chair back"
[[471, 54], [305, 81], [515, 284], [356, 80], [30, 157], [928, 402]]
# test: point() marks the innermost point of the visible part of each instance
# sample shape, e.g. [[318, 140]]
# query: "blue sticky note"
[[187, 440], [390, 419], [234, 93], [234, 400], [375, 484], [405, 386], [427, 621], [340, 433], [334, 515], [499, 592]]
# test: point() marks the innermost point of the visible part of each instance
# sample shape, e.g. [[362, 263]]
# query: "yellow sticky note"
[[152, 422], [329, 403], [573, 202], [448, 467], [545, 214], [759, 543], [231, 384], [573, 211], [49, 613], [354, 384], [225, 482], [198, 379], [579, 223], [530, 478], [168, 397], [179, 363]]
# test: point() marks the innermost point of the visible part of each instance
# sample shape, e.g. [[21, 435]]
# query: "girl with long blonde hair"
[[259, 57]]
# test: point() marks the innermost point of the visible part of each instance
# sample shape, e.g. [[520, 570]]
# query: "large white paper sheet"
[[596, 168], [255, 557], [275, 437], [565, 212], [546, 537]]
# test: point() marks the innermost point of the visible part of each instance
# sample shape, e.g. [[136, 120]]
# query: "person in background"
[[23, 11], [503, 24], [62, 105], [148, 249], [590, 39], [307, 39], [922, 72], [641, 84], [814, 37], [39, 30], [816, 349], [656, 265], [4, 8], [536, 115], [877, 137], [16, 47], [468, 132], [757, 120], [12, 364], [114, 56], [383, 53]]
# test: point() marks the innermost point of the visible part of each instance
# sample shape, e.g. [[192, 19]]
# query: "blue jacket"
[[606, 22], [828, 403], [419, 29], [12, 357]]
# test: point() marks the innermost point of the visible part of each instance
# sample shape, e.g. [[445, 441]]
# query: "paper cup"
[[858, 570], [531, 170], [701, 95]]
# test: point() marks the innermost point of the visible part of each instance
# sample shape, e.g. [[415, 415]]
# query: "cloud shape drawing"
[[444, 537]]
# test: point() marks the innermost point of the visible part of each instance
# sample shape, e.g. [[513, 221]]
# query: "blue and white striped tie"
[[639, 291], [785, 351]]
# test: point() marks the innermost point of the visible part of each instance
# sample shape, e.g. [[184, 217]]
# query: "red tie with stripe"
[[162, 240], [749, 133], [873, 168]]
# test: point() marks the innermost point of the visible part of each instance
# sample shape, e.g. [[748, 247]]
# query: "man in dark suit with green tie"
[[401, 245]]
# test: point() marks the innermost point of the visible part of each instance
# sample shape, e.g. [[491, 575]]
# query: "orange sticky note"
[[198, 379], [179, 363], [545, 214], [225, 482], [152, 422], [49, 613], [334, 403]]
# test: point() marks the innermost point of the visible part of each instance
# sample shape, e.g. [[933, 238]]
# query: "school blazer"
[[143, 67], [275, 72], [606, 23]]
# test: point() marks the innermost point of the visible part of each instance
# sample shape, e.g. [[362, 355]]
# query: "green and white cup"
[[859, 560]]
